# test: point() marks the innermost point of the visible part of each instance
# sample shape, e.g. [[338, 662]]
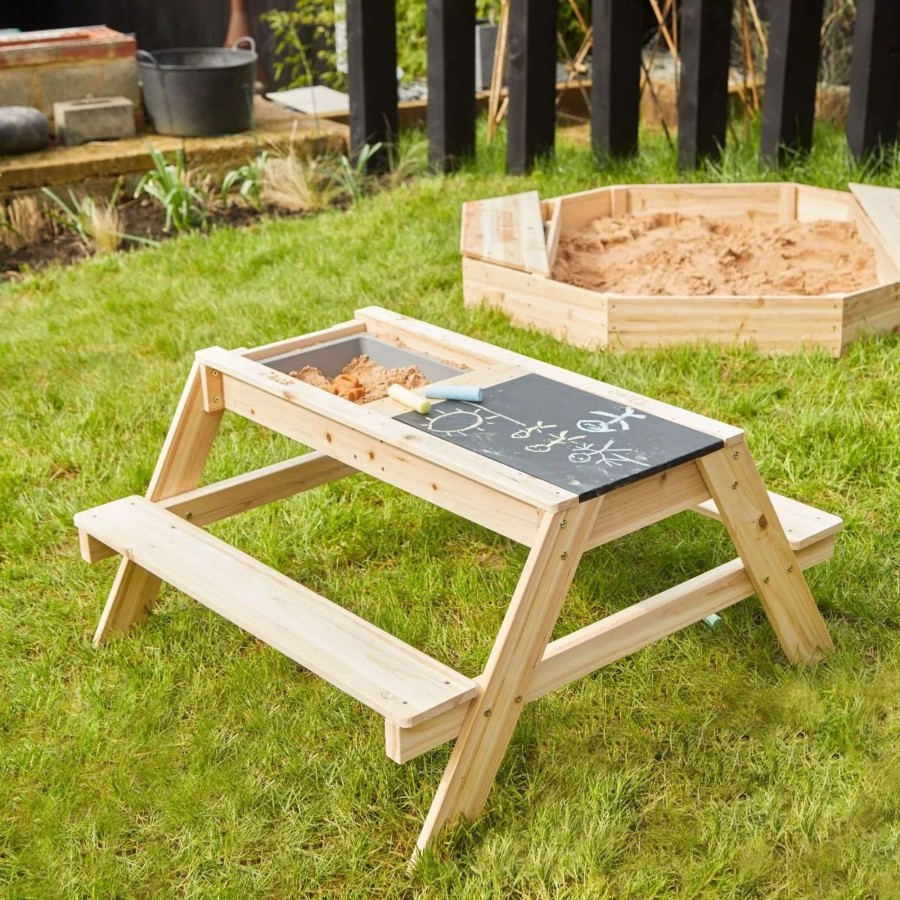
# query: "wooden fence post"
[[616, 90], [873, 120], [532, 83], [791, 74], [372, 77], [451, 83], [703, 93]]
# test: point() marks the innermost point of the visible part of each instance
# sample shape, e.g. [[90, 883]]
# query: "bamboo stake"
[[494, 114], [754, 13], [665, 31], [749, 63]]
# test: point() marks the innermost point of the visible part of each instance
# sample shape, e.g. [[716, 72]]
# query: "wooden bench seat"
[[401, 683], [803, 524]]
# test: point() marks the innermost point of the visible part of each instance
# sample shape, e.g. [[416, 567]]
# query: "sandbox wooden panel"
[[609, 320]]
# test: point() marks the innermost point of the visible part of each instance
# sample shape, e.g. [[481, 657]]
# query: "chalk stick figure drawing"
[[464, 419], [555, 439], [527, 430], [607, 455], [601, 425]]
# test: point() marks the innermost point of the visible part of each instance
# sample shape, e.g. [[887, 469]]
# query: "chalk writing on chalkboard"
[[576, 440], [468, 418]]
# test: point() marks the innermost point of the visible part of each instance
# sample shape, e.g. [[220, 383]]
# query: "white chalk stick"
[[454, 392], [408, 398]]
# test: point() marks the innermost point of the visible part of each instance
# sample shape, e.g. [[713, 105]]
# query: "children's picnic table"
[[555, 460]]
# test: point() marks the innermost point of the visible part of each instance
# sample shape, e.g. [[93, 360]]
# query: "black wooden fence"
[[788, 110]]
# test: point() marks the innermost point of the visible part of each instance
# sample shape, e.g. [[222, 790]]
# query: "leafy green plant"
[[98, 224], [407, 158], [186, 204], [250, 177], [304, 36], [351, 179]]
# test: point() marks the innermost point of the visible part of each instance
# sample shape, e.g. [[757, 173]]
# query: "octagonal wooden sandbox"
[[509, 247]]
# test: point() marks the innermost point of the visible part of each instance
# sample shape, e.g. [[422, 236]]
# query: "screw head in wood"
[[518, 698], [763, 522], [734, 485], [215, 399], [564, 554], [563, 523], [736, 454], [790, 568], [487, 713], [766, 580], [214, 373]]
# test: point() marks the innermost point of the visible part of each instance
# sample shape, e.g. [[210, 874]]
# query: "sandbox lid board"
[[882, 206], [508, 231]]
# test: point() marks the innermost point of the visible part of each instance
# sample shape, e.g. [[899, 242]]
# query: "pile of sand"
[[673, 255], [361, 380]]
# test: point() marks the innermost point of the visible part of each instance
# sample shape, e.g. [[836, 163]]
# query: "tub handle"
[[249, 40], [147, 56]]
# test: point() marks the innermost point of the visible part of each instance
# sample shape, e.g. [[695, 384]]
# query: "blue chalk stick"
[[454, 392], [713, 621]]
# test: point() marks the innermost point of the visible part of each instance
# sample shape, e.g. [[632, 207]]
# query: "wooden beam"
[[749, 515], [791, 74], [387, 675], [214, 502], [703, 93], [372, 78], [616, 89], [532, 83], [179, 468], [451, 83], [609, 640], [873, 120]]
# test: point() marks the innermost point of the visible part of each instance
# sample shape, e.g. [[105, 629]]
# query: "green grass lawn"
[[188, 760]]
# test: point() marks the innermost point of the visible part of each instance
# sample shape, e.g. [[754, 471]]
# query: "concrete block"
[[106, 78], [93, 119]]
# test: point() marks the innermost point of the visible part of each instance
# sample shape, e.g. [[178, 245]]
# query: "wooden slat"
[[569, 313], [527, 626], [748, 514], [803, 524], [882, 206], [179, 468], [267, 351], [430, 338], [460, 492], [772, 324], [815, 203], [217, 501], [326, 423], [508, 231], [608, 641], [381, 671], [759, 201], [878, 308], [647, 501]]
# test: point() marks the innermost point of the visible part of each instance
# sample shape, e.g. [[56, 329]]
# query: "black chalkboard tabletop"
[[564, 436]]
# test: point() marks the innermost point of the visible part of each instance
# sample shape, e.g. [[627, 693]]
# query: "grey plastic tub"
[[194, 92], [331, 357]]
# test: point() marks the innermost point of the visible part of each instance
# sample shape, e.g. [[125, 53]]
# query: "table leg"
[[178, 469], [747, 512], [525, 632]]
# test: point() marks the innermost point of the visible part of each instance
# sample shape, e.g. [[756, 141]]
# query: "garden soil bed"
[[668, 254], [141, 218]]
